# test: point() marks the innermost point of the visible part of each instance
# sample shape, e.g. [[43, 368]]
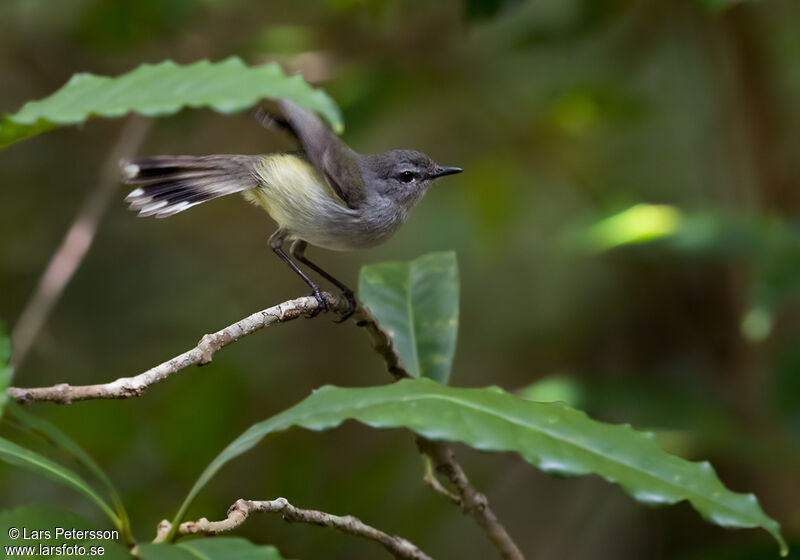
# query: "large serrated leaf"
[[46, 518], [551, 436], [17, 455], [218, 548], [164, 89], [416, 303]]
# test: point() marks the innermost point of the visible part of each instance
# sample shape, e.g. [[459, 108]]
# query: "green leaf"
[[62, 441], [14, 454], [12, 132], [416, 303], [6, 370], [46, 518], [218, 548], [163, 89], [551, 436]]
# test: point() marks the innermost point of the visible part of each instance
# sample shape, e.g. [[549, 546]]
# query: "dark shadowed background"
[[563, 113]]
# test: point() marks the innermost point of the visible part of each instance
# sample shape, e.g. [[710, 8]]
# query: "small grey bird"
[[325, 195]]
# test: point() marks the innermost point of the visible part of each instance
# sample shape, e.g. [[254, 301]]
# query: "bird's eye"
[[406, 176]]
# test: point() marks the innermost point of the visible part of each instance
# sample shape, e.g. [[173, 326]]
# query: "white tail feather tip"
[[131, 170], [180, 207], [135, 193], [152, 208]]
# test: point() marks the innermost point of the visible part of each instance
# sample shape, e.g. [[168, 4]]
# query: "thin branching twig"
[[241, 510], [127, 387], [471, 501]]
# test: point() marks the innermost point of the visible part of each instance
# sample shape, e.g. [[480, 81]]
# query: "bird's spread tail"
[[167, 185]]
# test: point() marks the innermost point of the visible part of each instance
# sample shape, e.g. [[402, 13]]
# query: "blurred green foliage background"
[[625, 227]]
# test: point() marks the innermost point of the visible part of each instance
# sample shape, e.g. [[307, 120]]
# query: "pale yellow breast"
[[291, 190]]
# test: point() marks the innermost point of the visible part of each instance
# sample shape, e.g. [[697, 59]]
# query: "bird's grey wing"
[[330, 156]]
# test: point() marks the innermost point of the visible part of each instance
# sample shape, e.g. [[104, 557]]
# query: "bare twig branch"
[[127, 387], [381, 343], [241, 510], [471, 501], [76, 243]]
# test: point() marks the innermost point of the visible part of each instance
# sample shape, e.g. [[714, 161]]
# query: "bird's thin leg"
[[298, 251], [276, 244]]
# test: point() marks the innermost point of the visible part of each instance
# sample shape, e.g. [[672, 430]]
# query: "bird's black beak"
[[442, 171]]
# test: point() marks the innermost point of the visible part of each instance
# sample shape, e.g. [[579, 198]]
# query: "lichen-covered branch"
[[241, 510], [127, 387]]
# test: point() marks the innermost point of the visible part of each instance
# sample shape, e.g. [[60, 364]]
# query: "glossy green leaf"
[[17, 455], [5, 368], [163, 89], [416, 303], [47, 518], [551, 436], [218, 548], [62, 441]]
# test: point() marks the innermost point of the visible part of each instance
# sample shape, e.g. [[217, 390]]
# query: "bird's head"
[[402, 175]]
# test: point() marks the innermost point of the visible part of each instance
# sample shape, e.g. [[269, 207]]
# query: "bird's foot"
[[322, 305], [352, 305]]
